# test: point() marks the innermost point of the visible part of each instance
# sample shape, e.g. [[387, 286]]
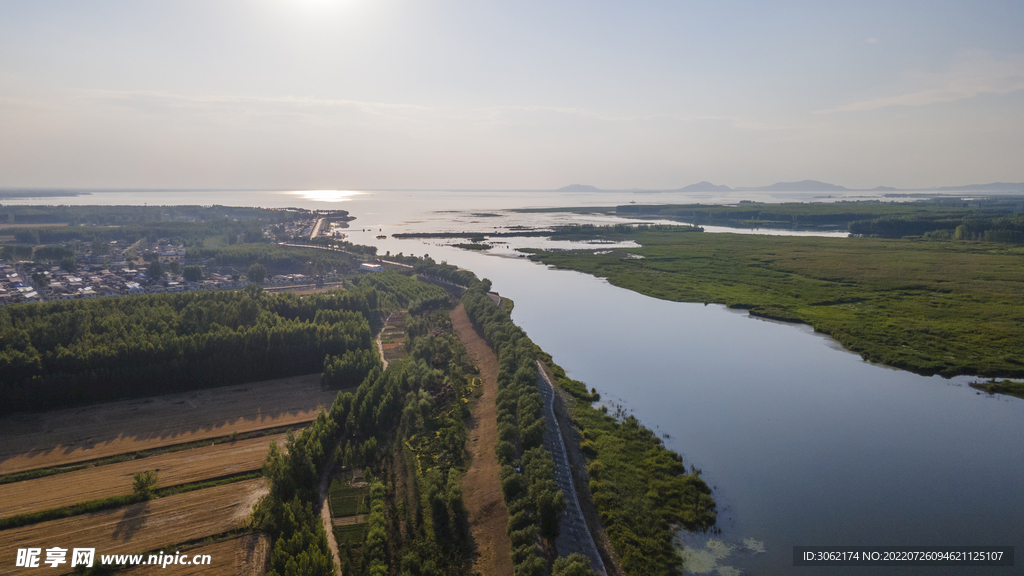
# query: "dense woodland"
[[73, 352]]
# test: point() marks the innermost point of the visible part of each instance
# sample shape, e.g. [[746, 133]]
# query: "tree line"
[[72, 352], [534, 500]]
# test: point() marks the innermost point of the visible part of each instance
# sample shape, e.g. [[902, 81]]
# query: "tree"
[[574, 564], [144, 484], [68, 264], [174, 267], [155, 270], [192, 273], [256, 273], [40, 279]]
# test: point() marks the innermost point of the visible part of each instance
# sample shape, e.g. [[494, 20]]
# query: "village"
[[113, 269]]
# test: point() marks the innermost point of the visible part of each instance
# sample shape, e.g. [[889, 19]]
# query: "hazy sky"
[[519, 94]]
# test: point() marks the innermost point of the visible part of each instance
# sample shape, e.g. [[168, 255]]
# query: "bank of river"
[[803, 443]]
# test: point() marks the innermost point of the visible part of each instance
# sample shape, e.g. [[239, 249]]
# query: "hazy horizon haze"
[[319, 94]]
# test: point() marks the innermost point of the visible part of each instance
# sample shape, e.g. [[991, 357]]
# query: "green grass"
[[929, 307], [348, 500], [1007, 387]]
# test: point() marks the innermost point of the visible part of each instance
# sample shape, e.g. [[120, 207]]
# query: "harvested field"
[[38, 440], [116, 479], [245, 556], [137, 528], [481, 485]]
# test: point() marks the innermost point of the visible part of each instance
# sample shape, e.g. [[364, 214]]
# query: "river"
[[803, 442]]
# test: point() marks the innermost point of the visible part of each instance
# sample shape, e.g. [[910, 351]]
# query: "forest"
[[80, 351]]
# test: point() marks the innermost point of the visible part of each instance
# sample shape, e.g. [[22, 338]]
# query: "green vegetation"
[[1008, 387], [473, 246], [66, 353], [147, 216], [406, 424], [532, 495], [275, 258], [641, 489], [348, 500], [351, 534], [930, 307], [144, 484]]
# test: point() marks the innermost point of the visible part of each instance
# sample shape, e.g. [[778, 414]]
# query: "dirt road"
[[481, 485]]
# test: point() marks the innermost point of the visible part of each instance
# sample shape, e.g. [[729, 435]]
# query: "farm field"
[[245, 556], [348, 500], [116, 479], [137, 528], [38, 440]]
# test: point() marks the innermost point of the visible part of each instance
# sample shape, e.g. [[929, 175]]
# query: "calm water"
[[804, 443]]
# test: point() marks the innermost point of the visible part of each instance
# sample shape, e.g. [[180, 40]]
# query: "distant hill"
[[802, 186], [993, 187], [884, 189], [705, 187], [579, 188]]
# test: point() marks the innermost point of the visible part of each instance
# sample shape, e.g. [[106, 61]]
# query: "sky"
[[425, 94]]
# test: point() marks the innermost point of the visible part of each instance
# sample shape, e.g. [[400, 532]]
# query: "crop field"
[[116, 479], [348, 500], [245, 556], [353, 534], [38, 440], [137, 528]]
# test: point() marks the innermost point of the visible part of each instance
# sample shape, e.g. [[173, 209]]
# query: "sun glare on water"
[[327, 195]]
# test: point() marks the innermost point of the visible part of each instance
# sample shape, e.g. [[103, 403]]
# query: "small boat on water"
[[382, 236]]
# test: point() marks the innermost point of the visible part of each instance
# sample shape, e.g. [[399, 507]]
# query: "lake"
[[803, 443]]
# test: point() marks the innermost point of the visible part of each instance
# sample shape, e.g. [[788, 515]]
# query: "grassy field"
[[39, 440], [140, 527], [244, 555], [116, 479], [930, 307], [348, 500]]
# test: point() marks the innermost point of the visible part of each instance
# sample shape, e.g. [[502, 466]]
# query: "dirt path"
[[481, 485], [325, 509]]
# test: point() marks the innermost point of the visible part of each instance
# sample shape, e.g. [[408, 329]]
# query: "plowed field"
[[75, 434], [244, 556], [137, 528], [116, 479]]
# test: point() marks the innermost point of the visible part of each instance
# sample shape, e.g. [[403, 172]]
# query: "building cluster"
[[14, 288]]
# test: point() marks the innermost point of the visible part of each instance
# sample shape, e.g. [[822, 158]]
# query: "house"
[[371, 267]]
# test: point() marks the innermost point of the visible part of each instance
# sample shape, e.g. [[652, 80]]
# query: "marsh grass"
[[946, 308]]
